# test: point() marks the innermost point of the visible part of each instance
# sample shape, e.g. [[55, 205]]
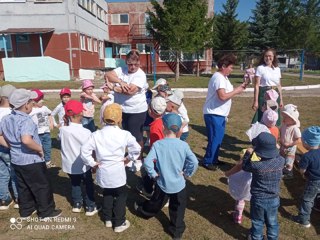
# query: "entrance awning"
[[13, 31]]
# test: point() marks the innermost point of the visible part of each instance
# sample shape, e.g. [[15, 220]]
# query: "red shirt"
[[156, 131]]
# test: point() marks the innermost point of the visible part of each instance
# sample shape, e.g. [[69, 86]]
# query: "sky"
[[243, 10]]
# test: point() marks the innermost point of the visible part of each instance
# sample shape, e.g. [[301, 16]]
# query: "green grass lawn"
[[209, 207]]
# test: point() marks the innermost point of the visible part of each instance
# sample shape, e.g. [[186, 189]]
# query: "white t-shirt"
[[136, 103], [268, 76], [213, 104], [72, 138], [4, 112], [40, 116], [59, 110], [110, 145]]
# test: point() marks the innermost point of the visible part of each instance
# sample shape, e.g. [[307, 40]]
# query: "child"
[[65, 96], [88, 99], [265, 185], [174, 162], [106, 100], [309, 166], [270, 118], [270, 100], [182, 111], [41, 115], [111, 174], [72, 138], [18, 131], [159, 82], [7, 174], [173, 105], [290, 136], [249, 74], [149, 119], [156, 110], [163, 91]]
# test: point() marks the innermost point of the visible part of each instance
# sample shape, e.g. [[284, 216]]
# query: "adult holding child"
[[130, 87], [217, 107], [268, 76]]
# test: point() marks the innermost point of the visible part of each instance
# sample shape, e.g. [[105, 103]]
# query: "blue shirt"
[[266, 175], [310, 162], [170, 158], [13, 127]]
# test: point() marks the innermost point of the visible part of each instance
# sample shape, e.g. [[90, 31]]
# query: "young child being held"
[[73, 136], [88, 99], [309, 166], [290, 136], [110, 145], [41, 115], [65, 96], [106, 99], [174, 162]]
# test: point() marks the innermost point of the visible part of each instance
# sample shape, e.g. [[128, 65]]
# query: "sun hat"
[[272, 94], [270, 118], [174, 99], [87, 83], [159, 82], [65, 91], [172, 122], [39, 93], [292, 111], [265, 145], [158, 105], [178, 93], [73, 107], [112, 114], [21, 96], [311, 136], [6, 90]]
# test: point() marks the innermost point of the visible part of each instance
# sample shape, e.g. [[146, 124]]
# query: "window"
[[120, 19], [124, 49], [144, 48], [8, 43], [22, 38], [95, 45], [101, 50], [82, 42], [89, 43]]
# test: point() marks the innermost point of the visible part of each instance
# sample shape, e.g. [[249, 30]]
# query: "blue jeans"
[[310, 192], [88, 123], [264, 211], [7, 175], [45, 139], [215, 126], [76, 192]]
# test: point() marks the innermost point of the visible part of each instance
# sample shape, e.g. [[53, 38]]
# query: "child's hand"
[[250, 150], [41, 154], [95, 167], [126, 161]]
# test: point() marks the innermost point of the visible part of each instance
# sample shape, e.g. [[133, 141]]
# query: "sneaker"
[[143, 192], [27, 217], [297, 220], [123, 227], [50, 164], [16, 204], [55, 213], [5, 204], [92, 210], [108, 224], [77, 207]]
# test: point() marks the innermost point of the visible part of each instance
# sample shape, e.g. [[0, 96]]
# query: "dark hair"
[[133, 55], [226, 60], [275, 59]]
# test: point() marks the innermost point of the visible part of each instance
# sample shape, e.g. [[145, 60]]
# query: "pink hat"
[[87, 83], [272, 94], [270, 118]]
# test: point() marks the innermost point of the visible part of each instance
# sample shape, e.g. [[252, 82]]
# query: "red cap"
[[73, 107], [65, 91], [39, 93]]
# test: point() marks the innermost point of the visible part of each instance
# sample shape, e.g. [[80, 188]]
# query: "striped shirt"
[[13, 127]]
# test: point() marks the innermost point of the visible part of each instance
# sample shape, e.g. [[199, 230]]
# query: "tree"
[[180, 26], [263, 26], [231, 33]]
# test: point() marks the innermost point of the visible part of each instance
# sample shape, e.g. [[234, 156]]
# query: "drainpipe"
[[41, 46], [5, 45]]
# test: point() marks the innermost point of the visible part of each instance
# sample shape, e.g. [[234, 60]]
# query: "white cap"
[[160, 81], [175, 99], [158, 105]]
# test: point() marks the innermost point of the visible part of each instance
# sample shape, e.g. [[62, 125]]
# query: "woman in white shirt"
[[268, 76], [217, 107]]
